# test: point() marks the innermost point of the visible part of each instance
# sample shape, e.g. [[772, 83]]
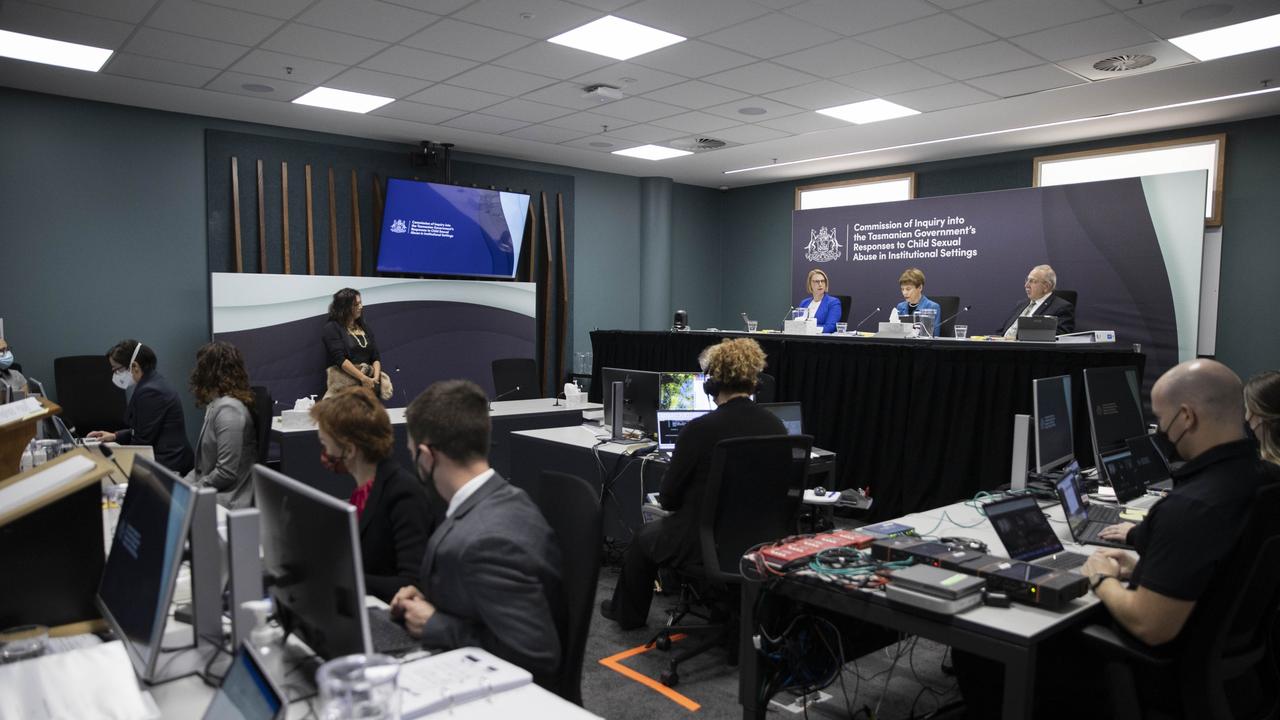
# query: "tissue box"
[[296, 419], [575, 398]]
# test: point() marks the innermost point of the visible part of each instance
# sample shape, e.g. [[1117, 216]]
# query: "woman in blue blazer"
[[911, 283], [822, 307]]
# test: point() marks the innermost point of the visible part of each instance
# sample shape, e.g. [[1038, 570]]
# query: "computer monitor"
[[1051, 398], [146, 552], [639, 395], [683, 391], [1115, 410], [789, 414], [311, 563], [671, 422]]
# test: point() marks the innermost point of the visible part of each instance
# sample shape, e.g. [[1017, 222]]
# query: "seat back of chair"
[[754, 490], [263, 409], [572, 509], [948, 306], [1070, 296], [88, 398], [512, 373]]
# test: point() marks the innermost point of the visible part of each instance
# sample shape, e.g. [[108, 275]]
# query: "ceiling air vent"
[[1123, 63], [698, 144]]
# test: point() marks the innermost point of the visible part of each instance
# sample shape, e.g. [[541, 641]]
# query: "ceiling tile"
[[746, 134], [851, 18], [130, 11], [273, 64], [526, 110], [366, 18], [1165, 18], [1007, 18], [981, 60], [567, 95], [601, 143], [555, 61], [501, 80], [778, 4], [690, 19], [804, 123], [837, 58], [696, 122], [545, 133], [466, 40], [476, 122], [890, 79], [771, 35], [1028, 80], [633, 79], [320, 44], [416, 112], [926, 36], [603, 5], [548, 18], [638, 109], [645, 133], [61, 25], [588, 122], [401, 60], [941, 97], [760, 78], [822, 94], [456, 97], [165, 71], [438, 7], [234, 82], [693, 59], [953, 4], [283, 9], [1097, 35], [772, 109], [695, 95], [183, 48], [377, 83], [208, 21]]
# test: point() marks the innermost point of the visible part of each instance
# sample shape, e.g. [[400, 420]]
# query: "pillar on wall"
[[655, 253]]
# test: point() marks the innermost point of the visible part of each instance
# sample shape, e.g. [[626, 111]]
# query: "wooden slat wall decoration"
[[284, 216], [356, 265], [235, 214], [333, 228], [262, 224], [524, 264], [311, 237], [377, 220], [563, 308], [548, 290]]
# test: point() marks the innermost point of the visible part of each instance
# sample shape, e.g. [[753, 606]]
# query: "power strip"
[[798, 551]]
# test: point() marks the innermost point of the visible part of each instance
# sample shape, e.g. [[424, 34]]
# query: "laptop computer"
[[1084, 519], [247, 691], [1038, 328], [789, 413], [1026, 534], [670, 423]]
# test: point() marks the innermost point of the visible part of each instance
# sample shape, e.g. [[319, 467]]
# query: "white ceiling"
[[480, 74]]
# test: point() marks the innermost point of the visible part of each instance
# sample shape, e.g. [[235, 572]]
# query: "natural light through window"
[[856, 192]]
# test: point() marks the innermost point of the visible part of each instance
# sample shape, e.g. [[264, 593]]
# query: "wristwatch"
[[1098, 579]]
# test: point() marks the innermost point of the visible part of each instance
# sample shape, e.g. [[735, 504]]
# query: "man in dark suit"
[[1040, 284], [491, 574]]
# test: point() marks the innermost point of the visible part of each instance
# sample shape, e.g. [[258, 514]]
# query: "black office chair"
[[515, 378], [846, 304], [263, 409], [1070, 296], [948, 306], [572, 509], [1225, 645], [753, 495], [766, 389], [89, 401]]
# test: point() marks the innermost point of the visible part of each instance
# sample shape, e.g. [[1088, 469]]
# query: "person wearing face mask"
[[154, 414], [1262, 413], [9, 375], [395, 512], [491, 576]]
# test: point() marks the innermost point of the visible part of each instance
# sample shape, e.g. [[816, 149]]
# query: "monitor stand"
[[176, 664]]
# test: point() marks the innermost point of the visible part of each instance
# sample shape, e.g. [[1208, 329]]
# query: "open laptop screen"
[[671, 422], [1022, 528], [1072, 504], [789, 414]]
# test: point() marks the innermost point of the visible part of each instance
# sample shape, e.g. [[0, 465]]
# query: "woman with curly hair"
[[228, 444], [1262, 412], [733, 368], [351, 350]]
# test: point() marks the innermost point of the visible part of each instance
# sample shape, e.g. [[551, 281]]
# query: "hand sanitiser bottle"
[[267, 639]]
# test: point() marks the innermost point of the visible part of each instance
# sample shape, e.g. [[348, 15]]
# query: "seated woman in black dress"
[[395, 513], [733, 368], [350, 347], [154, 415]]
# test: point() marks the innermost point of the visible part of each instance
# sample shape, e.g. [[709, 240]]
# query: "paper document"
[[16, 410], [104, 686], [44, 483], [452, 678]]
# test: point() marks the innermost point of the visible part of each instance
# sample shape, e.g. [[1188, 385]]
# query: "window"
[[865, 191]]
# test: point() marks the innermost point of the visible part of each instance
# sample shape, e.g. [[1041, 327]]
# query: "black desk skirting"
[[922, 423]]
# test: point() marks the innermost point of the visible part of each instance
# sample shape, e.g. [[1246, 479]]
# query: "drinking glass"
[[962, 331], [752, 325], [359, 686], [842, 328]]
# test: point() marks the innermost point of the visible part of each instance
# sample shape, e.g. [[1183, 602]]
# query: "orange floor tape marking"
[[614, 663]]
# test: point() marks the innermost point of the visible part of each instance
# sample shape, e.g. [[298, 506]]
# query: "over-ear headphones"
[[711, 386]]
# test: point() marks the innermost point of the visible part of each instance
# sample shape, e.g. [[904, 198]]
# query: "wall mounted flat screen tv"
[[433, 229]]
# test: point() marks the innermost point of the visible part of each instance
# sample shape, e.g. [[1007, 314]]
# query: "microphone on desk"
[[957, 314], [109, 454], [787, 316], [502, 395], [863, 320]]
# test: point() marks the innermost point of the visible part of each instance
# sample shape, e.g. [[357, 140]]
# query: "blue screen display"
[[449, 230]]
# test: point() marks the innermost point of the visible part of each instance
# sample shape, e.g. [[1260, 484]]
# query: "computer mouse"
[[819, 490]]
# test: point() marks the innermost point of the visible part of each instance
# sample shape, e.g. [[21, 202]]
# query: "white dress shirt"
[[1029, 310], [467, 491]]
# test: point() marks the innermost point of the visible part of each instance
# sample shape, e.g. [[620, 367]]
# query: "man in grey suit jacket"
[[491, 575]]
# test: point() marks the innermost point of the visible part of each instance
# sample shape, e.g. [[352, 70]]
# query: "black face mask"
[[1165, 446]]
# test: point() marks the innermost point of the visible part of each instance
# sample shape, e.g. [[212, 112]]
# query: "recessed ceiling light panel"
[[1230, 40], [52, 52], [616, 38], [343, 100], [652, 152], [868, 111]]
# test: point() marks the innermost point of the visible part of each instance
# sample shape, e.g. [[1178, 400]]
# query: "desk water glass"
[[359, 686]]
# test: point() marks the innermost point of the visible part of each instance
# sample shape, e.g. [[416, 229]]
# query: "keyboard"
[[1105, 514], [1061, 561], [389, 636]]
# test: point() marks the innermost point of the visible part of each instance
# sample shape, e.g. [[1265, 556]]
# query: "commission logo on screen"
[[823, 245]]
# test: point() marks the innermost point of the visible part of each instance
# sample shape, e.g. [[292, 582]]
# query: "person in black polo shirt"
[[1198, 405]]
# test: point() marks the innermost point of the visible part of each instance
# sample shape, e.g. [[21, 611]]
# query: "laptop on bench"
[[1026, 535], [1086, 519]]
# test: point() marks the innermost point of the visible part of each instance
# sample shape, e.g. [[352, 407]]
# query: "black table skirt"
[[921, 423]]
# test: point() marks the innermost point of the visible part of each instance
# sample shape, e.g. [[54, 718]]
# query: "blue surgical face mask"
[[6, 359]]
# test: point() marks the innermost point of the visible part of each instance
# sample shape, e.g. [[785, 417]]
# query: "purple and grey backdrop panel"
[[1116, 243], [426, 330]]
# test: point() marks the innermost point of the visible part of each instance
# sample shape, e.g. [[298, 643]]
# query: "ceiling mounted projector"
[[603, 93]]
